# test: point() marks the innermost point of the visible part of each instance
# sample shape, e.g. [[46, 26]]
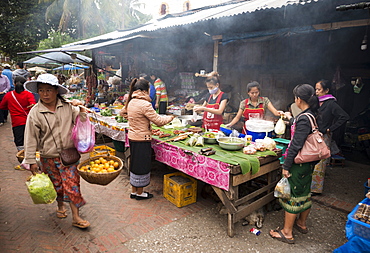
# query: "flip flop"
[[300, 229], [81, 224], [62, 214], [282, 238]]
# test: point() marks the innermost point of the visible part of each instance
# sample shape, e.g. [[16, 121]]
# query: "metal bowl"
[[231, 143], [209, 140]]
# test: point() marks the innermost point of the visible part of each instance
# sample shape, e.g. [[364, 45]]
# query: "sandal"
[[81, 224], [300, 229], [282, 237], [62, 214]]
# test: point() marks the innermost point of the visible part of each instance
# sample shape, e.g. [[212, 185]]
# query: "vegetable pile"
[[106, 112]]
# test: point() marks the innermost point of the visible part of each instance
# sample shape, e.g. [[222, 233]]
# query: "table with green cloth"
[[228, 172]]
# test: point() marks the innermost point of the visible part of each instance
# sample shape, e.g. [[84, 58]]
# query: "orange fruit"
[[97, 161], [116, 164]]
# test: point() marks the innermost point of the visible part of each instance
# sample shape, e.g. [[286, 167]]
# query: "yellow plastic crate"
[[180, 189], [102, 150]]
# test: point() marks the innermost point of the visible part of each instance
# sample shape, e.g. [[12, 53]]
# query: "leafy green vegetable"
[[106, 112], [41, 189], [120, 119]]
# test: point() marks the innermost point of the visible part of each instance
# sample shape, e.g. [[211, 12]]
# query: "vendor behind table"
[[254, 106], [215, 103]]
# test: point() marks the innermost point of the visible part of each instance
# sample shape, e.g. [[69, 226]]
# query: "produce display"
[[120, 119], [101, 165], [106, 112]]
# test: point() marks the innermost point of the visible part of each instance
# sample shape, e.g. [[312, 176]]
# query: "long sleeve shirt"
[[331, 116], [302, 129], [4, 84], [43, 126]]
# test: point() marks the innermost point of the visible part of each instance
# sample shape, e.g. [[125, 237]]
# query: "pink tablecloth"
[[198, 166]]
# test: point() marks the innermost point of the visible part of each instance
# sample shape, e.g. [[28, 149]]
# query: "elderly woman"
[[48, 130]]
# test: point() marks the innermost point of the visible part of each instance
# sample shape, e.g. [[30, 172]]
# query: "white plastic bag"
[[280, 126], [282, 189]]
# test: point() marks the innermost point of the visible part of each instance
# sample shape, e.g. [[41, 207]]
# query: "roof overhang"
[[84, 47]]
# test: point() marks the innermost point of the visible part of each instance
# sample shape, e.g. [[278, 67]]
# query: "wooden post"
[[216, 39]]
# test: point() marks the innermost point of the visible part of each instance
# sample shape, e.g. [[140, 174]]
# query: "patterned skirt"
[[141, 163], [66, 180], [300, 184]]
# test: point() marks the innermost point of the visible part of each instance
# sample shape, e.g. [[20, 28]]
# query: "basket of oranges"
[[100, 169]]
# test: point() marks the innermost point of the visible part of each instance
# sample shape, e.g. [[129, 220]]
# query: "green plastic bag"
[[41, 189]]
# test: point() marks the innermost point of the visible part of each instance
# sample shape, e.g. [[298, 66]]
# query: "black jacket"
[[331, 116], [302, 130]]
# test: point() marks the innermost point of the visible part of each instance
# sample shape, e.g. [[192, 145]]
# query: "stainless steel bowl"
[[210, 140], [231, 143]]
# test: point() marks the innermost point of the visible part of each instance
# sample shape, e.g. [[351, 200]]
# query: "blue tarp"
[[354, 245]]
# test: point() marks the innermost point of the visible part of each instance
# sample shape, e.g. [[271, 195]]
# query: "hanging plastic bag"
[[282, 189], [41, 189], [83, 135], [280, 126]]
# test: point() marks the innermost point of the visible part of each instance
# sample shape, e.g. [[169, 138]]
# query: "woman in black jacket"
[[299, 175], [331, 117]]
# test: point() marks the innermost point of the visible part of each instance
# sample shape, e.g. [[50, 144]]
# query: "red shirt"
[[17, 114]]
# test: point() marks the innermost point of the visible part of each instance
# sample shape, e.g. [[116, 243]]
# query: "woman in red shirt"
[[214, 105], [254, 106], [19, 103]]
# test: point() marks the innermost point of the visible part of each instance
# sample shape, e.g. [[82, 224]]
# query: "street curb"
[[334, 203]]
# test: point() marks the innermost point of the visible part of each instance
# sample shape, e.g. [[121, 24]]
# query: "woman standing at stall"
[[214, 105], [48, 130], [331, 117], [299, 175], [254, 106], [140, 114]]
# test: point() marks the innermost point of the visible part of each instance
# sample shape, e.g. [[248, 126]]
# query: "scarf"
[[326, 97]]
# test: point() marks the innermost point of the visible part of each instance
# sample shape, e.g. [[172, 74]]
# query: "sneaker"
[[148, 196], [1, 124], [132, 196]]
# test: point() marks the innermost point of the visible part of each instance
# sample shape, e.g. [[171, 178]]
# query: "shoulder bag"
[[68, 156], [314, 148]]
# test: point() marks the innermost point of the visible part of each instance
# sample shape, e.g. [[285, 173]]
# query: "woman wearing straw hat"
[[48, 130]]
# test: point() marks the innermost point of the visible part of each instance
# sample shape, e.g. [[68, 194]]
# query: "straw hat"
[[48, 79]]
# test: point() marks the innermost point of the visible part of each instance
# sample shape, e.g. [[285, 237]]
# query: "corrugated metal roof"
[[202, 14]]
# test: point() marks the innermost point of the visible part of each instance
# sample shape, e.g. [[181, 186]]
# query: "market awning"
[[59, 58], [71, 67], [84, 47]]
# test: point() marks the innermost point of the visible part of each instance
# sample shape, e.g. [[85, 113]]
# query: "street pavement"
[[121, 224]]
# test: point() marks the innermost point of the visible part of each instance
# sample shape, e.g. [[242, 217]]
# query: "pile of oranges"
[[101, 165]]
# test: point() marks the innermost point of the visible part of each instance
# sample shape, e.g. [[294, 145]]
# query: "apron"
[[260, 110], [210, 120]]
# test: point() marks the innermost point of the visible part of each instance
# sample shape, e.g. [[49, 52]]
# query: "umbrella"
[[37, 69], [71, 67], [59, 58]]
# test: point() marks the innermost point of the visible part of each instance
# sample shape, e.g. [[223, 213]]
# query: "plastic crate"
[[102, 150], [355, 227], [180, 189]]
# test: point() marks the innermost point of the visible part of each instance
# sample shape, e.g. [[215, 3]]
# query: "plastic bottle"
[[255, 231]]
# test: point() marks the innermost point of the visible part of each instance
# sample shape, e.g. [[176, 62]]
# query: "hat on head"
[[48, 79], [6, 65]]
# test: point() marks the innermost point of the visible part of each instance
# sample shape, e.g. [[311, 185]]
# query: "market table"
[[225, 171], [226, 178]]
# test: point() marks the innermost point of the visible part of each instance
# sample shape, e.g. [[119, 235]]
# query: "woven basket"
[[100, 178], [20, 156]]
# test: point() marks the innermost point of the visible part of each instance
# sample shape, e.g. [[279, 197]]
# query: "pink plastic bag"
[[83, 135]]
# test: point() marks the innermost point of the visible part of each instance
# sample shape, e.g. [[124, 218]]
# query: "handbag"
[[314, 148], [67, 156]]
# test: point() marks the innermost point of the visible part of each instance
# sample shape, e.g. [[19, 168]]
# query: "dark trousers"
[[3, 113], [162, 107]]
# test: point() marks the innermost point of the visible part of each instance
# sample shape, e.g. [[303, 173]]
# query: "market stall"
[[226, 171]]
